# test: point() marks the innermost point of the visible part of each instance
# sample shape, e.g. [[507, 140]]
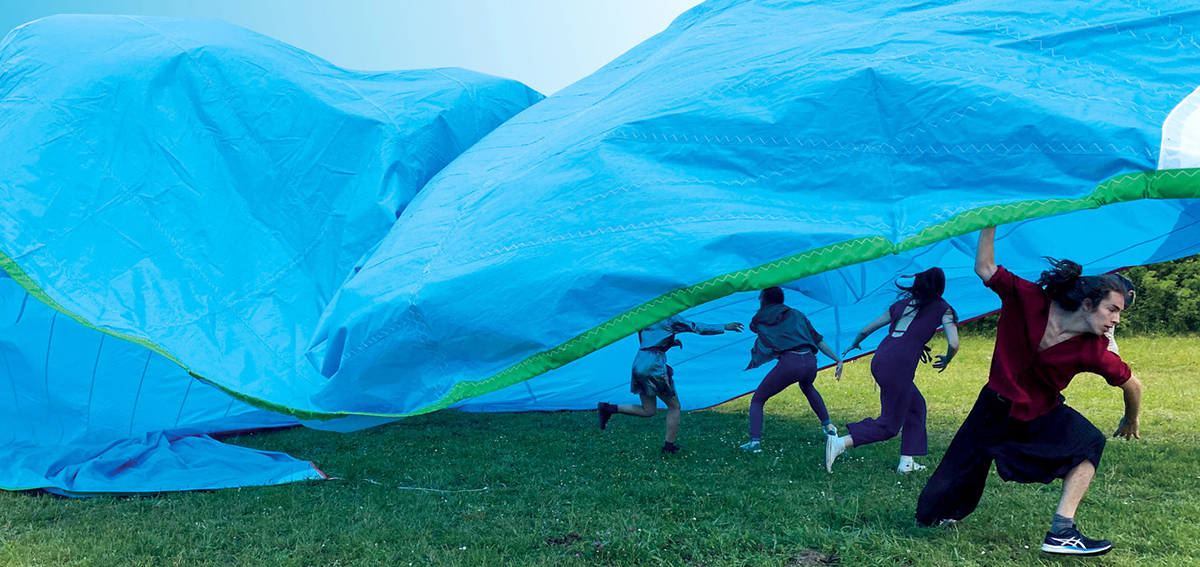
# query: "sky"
[[546, 44]]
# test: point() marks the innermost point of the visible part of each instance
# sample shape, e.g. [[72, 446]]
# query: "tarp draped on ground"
[[197, 192], [252, 213]]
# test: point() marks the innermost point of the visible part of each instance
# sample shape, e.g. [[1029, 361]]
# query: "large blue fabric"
[[253, 213], [752, 132], [202, 191]]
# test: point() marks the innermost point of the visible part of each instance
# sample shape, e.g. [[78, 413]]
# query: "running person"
[[912, 322], [1046, 336], [786, 335], [652, 376]]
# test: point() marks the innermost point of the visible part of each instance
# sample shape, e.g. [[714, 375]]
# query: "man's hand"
[[735, 327], [1127, 429], [942, 362]]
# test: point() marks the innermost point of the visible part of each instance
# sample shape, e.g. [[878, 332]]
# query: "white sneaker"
[[910, 466], [830, 429], [834, 446]]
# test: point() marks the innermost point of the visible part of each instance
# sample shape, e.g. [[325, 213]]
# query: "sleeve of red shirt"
[[1004, 283], [1111, 367]]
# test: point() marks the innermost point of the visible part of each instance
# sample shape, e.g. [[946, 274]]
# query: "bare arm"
[[824, 347], [951, 345], [985, 254], [1128, 428], [871, 327]]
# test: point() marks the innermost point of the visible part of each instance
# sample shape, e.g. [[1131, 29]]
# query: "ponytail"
[[1065, 283]]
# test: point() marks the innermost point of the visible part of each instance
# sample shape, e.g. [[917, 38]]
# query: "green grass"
[[560, 492]]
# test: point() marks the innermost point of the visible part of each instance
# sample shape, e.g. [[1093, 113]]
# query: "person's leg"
[[807, 376], [1075, 485], [780, 377], [1064, 537], [648, 408], [672, 423], [895, 397], [914, 441], [954, 490]]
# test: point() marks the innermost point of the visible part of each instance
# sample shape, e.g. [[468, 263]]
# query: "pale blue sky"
[[547, 44]]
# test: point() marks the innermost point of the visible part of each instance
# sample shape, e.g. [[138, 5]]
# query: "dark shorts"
[[652, 376]]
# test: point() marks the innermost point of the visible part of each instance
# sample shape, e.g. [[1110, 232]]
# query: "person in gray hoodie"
[[786, 335]]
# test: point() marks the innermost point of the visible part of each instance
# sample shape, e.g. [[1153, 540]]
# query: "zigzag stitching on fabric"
[[1095, 71], [978, 211], [983, 71], [566, 346], [685, 291], [1170, 21], [652, 224], [937, 122], [892, 248], [1054, 22], [591, 200], [848, 147], [625, 188]]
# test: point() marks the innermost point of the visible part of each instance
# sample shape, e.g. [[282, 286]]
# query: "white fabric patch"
[[1181, 135]]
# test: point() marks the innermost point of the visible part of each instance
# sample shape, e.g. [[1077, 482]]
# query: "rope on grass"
[[428, 489]]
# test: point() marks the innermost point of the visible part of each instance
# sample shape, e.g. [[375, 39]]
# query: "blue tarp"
[[826, 146], [252, 213], [197, 192]]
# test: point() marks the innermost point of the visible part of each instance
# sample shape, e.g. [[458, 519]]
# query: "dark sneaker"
[[604, 411], [1071, 542], [669, 448]]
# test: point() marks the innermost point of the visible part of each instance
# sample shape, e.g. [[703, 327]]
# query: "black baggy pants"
[[1040, 450]]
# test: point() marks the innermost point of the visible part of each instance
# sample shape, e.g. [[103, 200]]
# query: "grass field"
[[551, 489]]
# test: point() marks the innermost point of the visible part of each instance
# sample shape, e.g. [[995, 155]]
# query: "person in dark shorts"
[[911, 322], [786, 335], [653, 378], [1048, 332]]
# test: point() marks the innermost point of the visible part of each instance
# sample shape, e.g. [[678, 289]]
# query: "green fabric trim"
[[1164, 184]]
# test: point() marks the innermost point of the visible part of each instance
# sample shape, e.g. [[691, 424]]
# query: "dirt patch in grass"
[[564, 540], [809, 557]]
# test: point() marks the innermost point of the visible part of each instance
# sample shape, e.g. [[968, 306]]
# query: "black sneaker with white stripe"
[[1071, 542]]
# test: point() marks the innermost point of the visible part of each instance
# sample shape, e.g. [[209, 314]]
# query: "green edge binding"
[[1163, 184]]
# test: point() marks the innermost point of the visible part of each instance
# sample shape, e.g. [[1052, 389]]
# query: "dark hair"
[[927, 287], [772, 296], [1068, 287]]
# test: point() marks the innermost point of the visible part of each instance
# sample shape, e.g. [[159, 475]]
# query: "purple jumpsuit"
[[902, 408]]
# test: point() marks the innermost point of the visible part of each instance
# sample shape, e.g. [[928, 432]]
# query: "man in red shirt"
[[1048, 333]]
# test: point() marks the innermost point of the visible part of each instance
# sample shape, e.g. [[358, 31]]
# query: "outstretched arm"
[[824, 347], [871, 327], [985, 254], [951, 344], [1128, 428]]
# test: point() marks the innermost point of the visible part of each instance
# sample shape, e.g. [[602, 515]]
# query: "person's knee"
[[649, 410]]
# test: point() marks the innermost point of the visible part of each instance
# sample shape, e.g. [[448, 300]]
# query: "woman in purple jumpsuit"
[[913, 321]]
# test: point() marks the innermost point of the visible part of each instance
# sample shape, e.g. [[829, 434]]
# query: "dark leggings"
[[792, 368]]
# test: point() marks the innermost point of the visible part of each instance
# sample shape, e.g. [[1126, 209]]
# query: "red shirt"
[[1033, 379]]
